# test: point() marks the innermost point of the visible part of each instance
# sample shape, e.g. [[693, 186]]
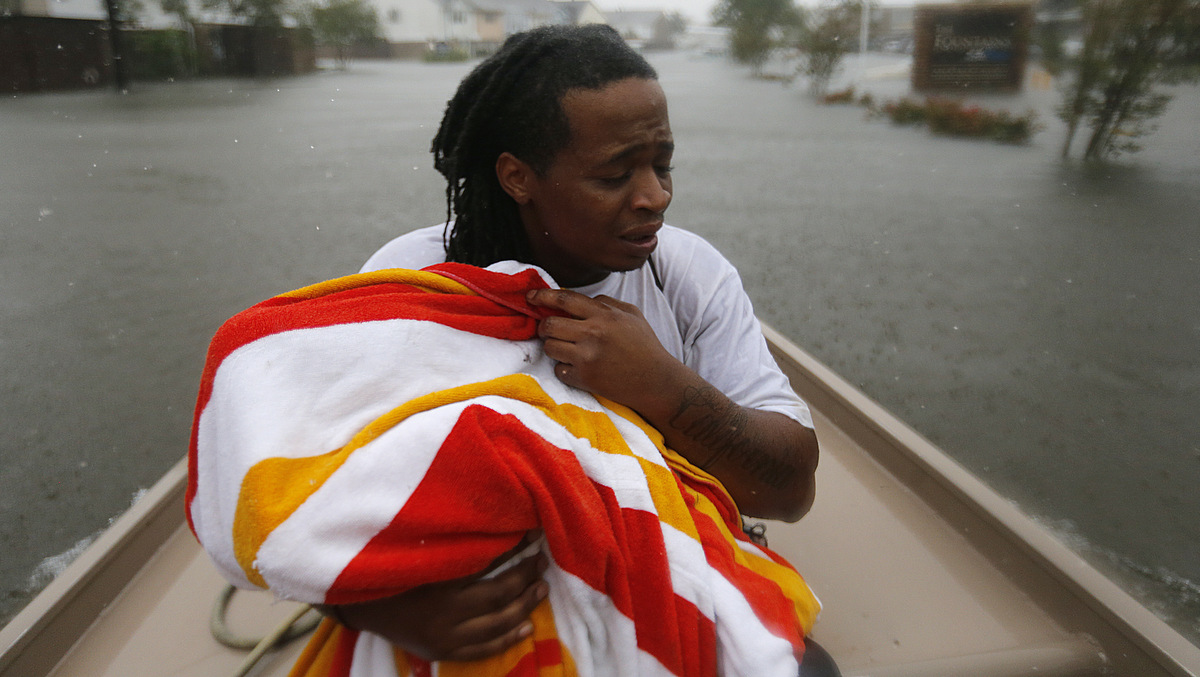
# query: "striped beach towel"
[[373, 433]]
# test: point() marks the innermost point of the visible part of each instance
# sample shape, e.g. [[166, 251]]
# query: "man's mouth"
[[642, 236]]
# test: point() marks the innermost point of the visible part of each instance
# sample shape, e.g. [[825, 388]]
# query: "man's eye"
[[665, 170], [616, 180]]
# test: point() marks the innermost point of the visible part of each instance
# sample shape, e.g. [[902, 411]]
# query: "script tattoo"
[[707, 418]]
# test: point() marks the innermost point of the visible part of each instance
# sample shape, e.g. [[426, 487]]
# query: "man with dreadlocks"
[[557, 152]]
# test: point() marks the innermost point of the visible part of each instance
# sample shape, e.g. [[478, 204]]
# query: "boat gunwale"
[[77, 597]]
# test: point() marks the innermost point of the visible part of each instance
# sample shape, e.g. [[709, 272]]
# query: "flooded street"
[[1039, 320]]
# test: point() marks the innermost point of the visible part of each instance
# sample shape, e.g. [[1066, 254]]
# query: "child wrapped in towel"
[[367, 435]]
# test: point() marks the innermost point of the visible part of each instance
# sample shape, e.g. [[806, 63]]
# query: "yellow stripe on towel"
[[430, 281], [276, 487]]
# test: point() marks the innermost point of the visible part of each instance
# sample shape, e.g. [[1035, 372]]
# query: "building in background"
[[68, 44], [63, 44]]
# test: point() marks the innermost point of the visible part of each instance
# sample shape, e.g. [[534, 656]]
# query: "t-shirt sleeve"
[[413, 251], [723, 340]]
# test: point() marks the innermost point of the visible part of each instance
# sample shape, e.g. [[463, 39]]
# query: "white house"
[[426, 22]]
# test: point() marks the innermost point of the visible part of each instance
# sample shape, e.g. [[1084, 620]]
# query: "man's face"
[[599, 205]]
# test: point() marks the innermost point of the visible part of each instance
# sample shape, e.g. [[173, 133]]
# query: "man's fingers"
[[559, 328], [491, 633], [570, 302], [481, 597], [492, 647]]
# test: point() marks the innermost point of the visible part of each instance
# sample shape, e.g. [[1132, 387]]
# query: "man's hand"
[[461, 620], [605, 347], [765, 460]]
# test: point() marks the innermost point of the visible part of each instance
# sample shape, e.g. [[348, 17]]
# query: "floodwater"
[[1037, 319]]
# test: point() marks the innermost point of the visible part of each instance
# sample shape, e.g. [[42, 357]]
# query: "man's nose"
[[651, 191]]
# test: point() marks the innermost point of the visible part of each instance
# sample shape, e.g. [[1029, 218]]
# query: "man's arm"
[[460, 620], [765, 460]]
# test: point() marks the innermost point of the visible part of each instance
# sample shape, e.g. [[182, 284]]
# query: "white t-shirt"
[[701, 315]]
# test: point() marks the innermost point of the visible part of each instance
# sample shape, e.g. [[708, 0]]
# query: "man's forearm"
[[765, 460]]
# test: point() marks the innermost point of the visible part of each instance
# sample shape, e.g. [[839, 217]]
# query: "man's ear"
[[516, 177]]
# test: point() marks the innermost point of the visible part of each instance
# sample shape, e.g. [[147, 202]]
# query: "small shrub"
[[445, 54], [905, 112], [952, 118], [844, 96]]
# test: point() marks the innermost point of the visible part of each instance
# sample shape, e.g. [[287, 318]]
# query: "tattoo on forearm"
[[706, 418]]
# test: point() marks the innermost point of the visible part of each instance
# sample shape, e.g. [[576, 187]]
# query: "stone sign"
[[976, 46]]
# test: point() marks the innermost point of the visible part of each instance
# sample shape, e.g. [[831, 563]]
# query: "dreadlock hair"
[[512, 102]]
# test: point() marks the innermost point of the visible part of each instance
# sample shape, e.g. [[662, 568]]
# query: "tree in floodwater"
[[342, 24], [260, 13], [831, 32], [667, 29], [180, 46], [757, 28], [1129, 47]]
